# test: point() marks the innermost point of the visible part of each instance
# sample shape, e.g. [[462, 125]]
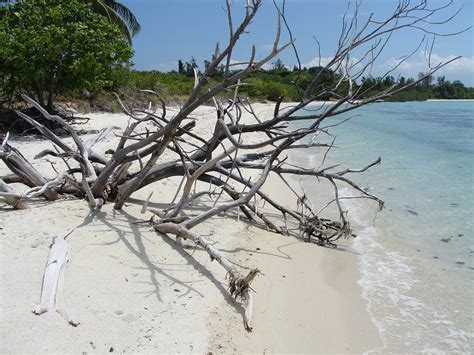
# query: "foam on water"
[[405, 322]]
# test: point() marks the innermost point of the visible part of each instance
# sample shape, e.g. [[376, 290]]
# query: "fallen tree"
[[235, 168]]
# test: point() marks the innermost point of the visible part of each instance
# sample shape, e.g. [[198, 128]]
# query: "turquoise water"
[[417, 255]]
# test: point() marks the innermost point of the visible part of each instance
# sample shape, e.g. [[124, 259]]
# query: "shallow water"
[[417, 255]]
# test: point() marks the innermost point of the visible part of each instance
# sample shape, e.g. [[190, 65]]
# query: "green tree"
[[57, 46], [426, 82], [278, 66], [114, 11], [189, 67], [181, 67]]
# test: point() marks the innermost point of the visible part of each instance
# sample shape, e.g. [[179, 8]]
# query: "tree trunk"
[[39, 92], [50, 97]]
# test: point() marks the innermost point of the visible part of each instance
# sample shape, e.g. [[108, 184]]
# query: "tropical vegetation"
[[114, 11], [54, 47], [69, 47], [280, 81]]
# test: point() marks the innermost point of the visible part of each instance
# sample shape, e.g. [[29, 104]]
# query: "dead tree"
[[225, 159]]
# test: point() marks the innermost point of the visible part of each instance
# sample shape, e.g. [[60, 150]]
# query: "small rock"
[[413, 212], [176, 290], [435, 257], [445, 240], [460, 235], [455, 204], [111, 350], [258, 248], [459, 262]]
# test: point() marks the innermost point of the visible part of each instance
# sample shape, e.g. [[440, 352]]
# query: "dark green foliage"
[[58, 46], [166, 84], [274, 91], [279, 81], [424, 90]]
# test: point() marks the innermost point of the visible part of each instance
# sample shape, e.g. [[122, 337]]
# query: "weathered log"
[[18, 164], [11, 178], [53, 278]]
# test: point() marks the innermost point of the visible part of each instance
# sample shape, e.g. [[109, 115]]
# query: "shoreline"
[[134, 291], [449, 100], [305, 290]]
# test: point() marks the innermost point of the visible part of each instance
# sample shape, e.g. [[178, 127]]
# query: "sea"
[[416, 256]]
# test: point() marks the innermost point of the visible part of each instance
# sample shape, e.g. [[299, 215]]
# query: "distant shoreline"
[[469, 100]]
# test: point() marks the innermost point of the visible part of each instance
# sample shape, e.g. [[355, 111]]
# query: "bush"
[[58, 46], [273, 91]]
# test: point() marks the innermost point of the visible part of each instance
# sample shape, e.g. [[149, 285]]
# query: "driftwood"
[[53, 278], [17, 163], [234, 179], [10, 197], [239, 285]]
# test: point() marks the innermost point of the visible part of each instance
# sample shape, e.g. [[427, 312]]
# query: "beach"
[[133, 290]]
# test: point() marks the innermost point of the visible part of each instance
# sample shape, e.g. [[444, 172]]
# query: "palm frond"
[[119, 15], [125, 13]]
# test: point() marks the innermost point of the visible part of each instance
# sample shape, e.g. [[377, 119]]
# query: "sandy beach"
[[134, 291]]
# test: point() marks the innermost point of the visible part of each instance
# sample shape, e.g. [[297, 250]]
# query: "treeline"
[[279, 81], [428, 88]]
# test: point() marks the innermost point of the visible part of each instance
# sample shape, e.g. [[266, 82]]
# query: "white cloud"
[[461, 69], [317, 61]]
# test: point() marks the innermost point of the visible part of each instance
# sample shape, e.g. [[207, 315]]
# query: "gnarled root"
[[240, 287], [324, 230]]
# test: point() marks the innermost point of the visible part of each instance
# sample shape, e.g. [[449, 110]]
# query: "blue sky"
[[180, 29]]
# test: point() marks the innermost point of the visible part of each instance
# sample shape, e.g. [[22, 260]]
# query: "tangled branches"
[[241, 151]]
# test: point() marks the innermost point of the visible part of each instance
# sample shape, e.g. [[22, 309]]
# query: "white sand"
[[135, 291]]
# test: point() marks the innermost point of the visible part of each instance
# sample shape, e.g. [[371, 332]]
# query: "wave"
[[405, 321]]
